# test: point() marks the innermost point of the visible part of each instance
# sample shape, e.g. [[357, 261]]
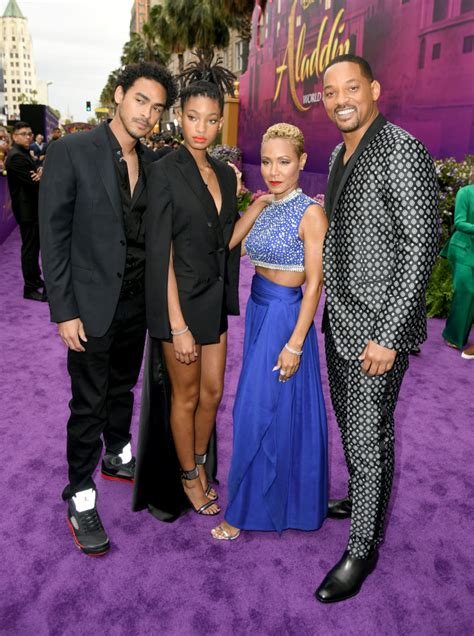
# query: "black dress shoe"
[[339, 508], [35, 295], [114, 469], [87, 530], [346, 578]]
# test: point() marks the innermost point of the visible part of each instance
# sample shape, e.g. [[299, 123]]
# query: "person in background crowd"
[[23, 183], [4, 147], [92, 208], [56, 134], [460, 254], [38, 150], [382, 206], [165, 145], [279, 470]]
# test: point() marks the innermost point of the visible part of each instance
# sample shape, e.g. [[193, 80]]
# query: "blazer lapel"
[[224, 188], [106, 168], [332, 175], [370, 133], [192, 176]]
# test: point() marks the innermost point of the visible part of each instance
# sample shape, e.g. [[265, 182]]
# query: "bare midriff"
[[282, 277]]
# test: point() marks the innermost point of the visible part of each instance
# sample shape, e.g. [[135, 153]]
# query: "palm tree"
[[238, 15], [144, 48], [133, 51], [185, 24], [172, 31], [107, 94], [154, 49]]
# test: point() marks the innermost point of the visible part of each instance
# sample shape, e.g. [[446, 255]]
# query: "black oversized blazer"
[[181, 212], [83, 242]]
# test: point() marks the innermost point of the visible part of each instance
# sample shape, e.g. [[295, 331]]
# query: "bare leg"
[[185, 382], [212, 358]]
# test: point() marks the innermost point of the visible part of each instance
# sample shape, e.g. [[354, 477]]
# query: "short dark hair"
[[19, 125], [56, 128], [149, 70], [202, 88], [364, 66]]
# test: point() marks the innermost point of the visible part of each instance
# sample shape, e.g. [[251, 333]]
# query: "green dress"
[[460, 253]]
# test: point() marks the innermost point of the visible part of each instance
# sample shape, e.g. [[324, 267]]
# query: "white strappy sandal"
[[221, 534]]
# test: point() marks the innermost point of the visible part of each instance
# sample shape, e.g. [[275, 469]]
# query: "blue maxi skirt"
[[279, 470]]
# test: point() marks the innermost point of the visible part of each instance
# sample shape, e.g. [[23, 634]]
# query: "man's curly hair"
[[149, 70]]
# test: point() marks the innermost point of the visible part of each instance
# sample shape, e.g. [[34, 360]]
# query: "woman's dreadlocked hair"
[[203, 78]]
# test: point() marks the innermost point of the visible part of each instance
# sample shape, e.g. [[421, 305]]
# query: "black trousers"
[[102, 379], [30, 249], [364, 407]]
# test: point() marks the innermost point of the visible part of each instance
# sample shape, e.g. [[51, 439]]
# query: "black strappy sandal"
[[200, 461], [190, 475]]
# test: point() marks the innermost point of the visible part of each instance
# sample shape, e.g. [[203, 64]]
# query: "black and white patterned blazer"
[[381, 242]]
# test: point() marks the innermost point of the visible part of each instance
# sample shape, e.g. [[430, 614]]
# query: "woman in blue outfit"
[[278, 475]]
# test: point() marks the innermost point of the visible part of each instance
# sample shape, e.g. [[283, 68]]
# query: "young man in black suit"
[[23, 183], [92, 205]]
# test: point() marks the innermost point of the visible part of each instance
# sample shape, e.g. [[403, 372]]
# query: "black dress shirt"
[[134, 207]]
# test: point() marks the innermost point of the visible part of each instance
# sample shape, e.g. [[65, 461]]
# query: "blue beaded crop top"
[[273, 241]]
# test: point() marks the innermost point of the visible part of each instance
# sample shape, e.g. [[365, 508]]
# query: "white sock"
[[84, 500], [126, 454]]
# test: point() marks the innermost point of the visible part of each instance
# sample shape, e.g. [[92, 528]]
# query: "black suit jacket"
[[23, 190], [181, 212], [81, 227]]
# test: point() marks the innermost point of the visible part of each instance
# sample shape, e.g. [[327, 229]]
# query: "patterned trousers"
[[364, 408]]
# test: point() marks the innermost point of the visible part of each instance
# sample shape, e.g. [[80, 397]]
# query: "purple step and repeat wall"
[[421, 51], [7, 222]]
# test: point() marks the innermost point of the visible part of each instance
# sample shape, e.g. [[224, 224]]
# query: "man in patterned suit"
[[380, 247]]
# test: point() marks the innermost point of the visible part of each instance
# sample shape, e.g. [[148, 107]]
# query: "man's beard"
[[133, 134], [347, 127]]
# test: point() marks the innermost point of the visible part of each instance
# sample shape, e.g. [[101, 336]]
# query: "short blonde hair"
[[286, 131]]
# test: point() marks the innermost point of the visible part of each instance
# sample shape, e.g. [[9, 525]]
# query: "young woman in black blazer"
[[193, 256]]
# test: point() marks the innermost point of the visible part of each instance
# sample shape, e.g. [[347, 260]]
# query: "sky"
[[76, 44]]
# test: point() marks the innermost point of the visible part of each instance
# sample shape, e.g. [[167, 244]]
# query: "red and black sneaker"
[[87, 528], [114, 469]]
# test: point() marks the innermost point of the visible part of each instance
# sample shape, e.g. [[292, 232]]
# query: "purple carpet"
[[174, 579]]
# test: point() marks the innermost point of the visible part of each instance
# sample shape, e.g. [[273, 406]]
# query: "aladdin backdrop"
[[421, 51]]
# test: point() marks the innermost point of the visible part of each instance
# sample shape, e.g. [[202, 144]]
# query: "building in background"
[[140, 14], [16, 52], [42, 92], [3, 117]]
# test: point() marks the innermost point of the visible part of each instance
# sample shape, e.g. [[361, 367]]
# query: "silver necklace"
[[292, 195]]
